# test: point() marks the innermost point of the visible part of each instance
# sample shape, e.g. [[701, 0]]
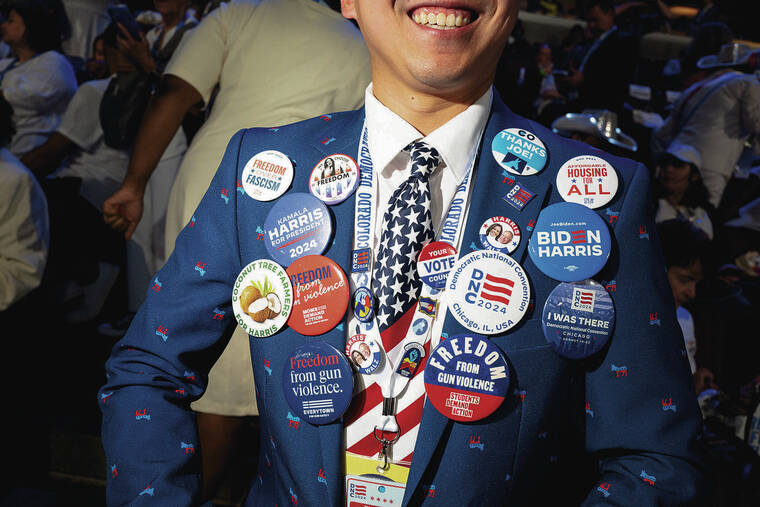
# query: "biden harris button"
[[578, 318], [519, 151], [466, 377], [570, 242], [297, 225], [487, 291], [267, 175], [318, 382]]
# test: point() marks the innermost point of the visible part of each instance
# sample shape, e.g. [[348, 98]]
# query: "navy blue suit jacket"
[[630, 411]]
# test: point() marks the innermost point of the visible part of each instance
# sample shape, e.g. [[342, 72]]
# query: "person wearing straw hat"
[[716, 116]]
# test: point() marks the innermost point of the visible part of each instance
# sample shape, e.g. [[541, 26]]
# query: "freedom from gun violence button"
[[519, 151], [267, 175], [365, 353], [487, 291], [570, 242], [587, 180], [334, 178], [434, 262], [500, 233], [466, 377], [262, 298], [320, 294], [318, 382], [578, 318], [297, 225]]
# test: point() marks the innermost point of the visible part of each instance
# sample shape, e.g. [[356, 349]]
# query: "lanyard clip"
[[388, 424]]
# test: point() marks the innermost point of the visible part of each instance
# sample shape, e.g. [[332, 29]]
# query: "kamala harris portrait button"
[[334, 178]]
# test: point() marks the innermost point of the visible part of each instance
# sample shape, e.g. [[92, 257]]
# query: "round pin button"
[[466, 377], [570, 242], [267, 175], [519, 151], [363, 304], [587, 180], [262, 298], [434, 262], [318, 382], [297, 225], [487, 291], [578, 318], [364, 353], [500, 233], [320, 294], [334, 178]]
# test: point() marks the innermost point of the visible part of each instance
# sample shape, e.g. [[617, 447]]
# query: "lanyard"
[[391, 379]]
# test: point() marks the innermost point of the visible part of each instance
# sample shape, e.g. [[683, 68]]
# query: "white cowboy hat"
[[728, 56], [598, 122]]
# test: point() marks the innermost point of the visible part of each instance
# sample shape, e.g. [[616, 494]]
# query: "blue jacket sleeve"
[[642, 418], [161, 364]]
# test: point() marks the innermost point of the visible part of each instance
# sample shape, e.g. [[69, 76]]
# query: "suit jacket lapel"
[[341, 136], [490, 184]]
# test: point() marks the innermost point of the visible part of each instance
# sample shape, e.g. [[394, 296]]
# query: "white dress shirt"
[[456, 141]]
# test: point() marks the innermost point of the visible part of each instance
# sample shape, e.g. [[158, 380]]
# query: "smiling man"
[[492, 370]]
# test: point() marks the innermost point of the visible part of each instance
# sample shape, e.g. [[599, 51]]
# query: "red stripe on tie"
[[407, 419], [395, 333], [496, 279], [362, 403], [496, 288]]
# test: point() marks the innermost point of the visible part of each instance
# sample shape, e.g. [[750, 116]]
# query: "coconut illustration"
[[260, 301]]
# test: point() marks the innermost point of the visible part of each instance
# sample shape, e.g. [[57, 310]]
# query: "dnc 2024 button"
[[578, 319], [466, 377], [297, 225], [570, 242], [318, 382]]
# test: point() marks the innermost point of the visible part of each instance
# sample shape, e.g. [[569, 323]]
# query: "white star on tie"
[[396, 287], [410, 201], [395, 211], [396, 268], [382, 280], [426, 202], [383, 318], [398, 306], [411, 293], [413, 216], [396, 229], [396, 249], [383, 298]]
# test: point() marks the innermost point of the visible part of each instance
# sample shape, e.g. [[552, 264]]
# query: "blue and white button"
[[519, 151], [267, 175], [297, 225], [318, 382], [500, 233], [570, 242], [578, 318]]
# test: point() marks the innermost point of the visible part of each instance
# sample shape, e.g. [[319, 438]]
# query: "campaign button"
[[320, 294], [297, 225], [365, 353], [487, 291], [578, 318], [466, 377], [360, 259], [500, 233], [587, 180], [262, 298], [570, 242], [334, 178], [267, 175], [519, 151], [434, 262], [519, 196], [318, 382], [363, 304], [420, 326], [411, 359]]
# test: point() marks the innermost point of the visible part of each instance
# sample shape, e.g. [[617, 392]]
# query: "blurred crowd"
[[113, 118]]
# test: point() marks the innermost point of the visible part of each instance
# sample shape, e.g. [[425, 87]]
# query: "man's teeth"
[[441, 18]]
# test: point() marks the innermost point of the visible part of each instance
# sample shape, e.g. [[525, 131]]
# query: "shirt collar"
[[454, 140]]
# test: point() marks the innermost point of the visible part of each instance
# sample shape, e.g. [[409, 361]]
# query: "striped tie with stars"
[[406, 228]]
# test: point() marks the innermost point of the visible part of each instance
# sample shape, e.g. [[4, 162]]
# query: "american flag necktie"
[[406, 228]]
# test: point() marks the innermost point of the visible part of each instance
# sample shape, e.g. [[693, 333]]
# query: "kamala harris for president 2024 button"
[[297, 225], [466, 377], [569, 242]]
